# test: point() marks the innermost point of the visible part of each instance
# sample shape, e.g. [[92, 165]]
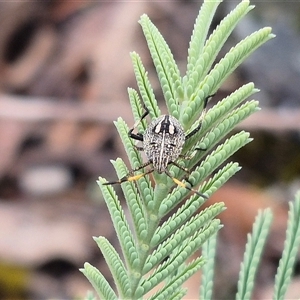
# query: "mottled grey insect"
[[163, 141]]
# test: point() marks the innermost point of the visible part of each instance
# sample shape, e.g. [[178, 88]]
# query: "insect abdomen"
[[163, 141]]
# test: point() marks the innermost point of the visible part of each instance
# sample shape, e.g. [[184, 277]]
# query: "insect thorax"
[[163, 141]]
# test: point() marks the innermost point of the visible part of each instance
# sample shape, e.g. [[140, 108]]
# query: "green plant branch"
[[207, 278], [291, 248], [99, 282], [144, 87], [254, 247], [214, 79], [155, 251], [166, 67], [199, 68], [199, 35]]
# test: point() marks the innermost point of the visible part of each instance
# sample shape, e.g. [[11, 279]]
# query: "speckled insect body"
[[163, 141]]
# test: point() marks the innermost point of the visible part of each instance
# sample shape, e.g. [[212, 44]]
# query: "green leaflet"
[[220, 111], [125, 236], [171, 264], [116, 266], [182, 219], [221, 71], [254, 247], [208, 251], [134, 202], [215, 159], [291, 248], [99, 283], [209, 187], [195, 51], [144, 185], [202, 60], [136, 108], [144, 87], [166, 67], [177, 281]]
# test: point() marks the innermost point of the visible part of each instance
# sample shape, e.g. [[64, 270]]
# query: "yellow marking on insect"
[[178, 182], [135, 177]]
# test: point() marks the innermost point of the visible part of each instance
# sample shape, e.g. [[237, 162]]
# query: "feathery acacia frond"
[[155, 251]]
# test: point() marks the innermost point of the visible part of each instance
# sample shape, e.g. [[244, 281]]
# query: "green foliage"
[[208, 252], [291, 248], [165, 226], [253, 253], [254, 247]]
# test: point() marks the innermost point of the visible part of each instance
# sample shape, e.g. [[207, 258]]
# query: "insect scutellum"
[[163, 141]]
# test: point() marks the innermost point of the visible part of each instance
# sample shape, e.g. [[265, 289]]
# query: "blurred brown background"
[[64, 71]]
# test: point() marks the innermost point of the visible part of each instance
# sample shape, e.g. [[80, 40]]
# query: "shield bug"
[[163, 141]]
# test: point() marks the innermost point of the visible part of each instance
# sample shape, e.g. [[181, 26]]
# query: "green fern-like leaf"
[[177, 280], [121, 225], [144, 185], [254, 247], [201, 60], [99, 282], [166, 67], [137, 210], [201, 27], [221, 110], [207, 278], [155, 252], [291, 248], [144, 87], [137, 110], [184, 230], [221, 71], [116, 266], [171, 264]]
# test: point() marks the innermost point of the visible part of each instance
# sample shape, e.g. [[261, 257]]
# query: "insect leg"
[[182, 184], [138, 136], [190, 156], [187, 171], [131, 176], [193, 132], [180, 167], [138, 148]]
